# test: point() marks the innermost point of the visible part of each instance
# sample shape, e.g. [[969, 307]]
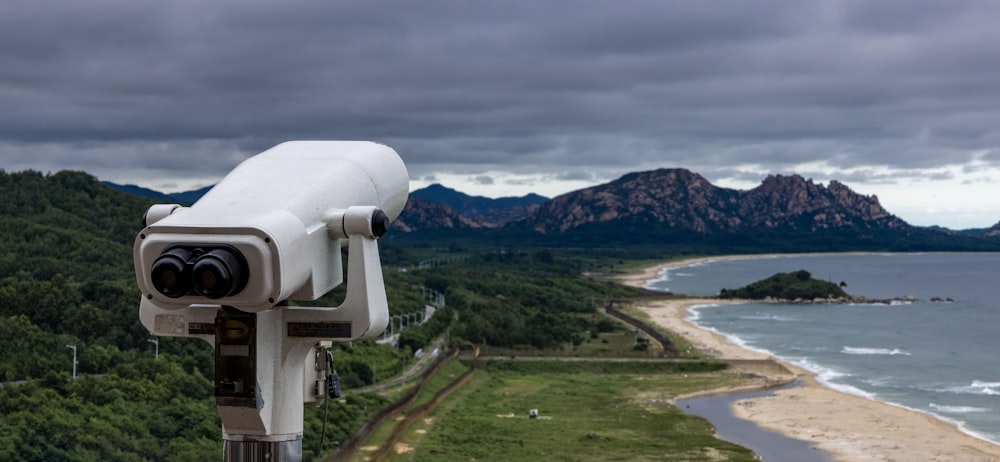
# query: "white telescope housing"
[[272, 231], [283, 211]]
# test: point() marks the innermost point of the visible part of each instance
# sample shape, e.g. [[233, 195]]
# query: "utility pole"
[[73, 347]]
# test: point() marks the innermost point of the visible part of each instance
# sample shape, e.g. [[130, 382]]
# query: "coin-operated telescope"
[[270, 232]]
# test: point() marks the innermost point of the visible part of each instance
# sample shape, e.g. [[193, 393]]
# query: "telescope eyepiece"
[[170, 273], [212, 272], [219, 273]]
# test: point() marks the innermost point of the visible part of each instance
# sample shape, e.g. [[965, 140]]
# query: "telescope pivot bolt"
[[367, 221], [380, 223]]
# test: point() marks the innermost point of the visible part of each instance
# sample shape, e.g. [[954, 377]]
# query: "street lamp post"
[[156, 342], [73, 347]]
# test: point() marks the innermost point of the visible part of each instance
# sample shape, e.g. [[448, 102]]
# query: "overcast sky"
[[895, 98]]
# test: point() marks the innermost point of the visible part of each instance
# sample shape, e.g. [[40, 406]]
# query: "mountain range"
[[183, 198], [680, 207], [669, 206]]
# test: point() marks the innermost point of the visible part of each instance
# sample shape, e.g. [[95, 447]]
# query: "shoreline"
[[850, 427], [767, 444], [640, 278]]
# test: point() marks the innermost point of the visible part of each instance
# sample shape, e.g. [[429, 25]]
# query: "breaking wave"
[[874, 351]]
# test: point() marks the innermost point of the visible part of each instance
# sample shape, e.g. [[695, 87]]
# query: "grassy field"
[[614, 410], [617, 344], [448, 373]]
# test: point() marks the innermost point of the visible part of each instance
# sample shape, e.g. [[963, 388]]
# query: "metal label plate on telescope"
[[201, 328], [320, 329]]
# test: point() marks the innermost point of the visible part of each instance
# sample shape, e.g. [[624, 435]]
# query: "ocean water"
[[941, 358]]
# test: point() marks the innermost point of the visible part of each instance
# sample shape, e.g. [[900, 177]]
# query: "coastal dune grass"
[[588, 410]]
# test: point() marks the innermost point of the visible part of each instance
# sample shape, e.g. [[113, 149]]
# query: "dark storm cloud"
[[161, 88]]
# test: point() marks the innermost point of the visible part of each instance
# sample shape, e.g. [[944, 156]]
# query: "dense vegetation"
[[531, 299], [66, 278], [797, 285]]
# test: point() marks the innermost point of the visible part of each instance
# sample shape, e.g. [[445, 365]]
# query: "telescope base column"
[[262, 451]]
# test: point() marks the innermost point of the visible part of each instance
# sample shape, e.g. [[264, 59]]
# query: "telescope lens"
[[219, 273], [169, 273]]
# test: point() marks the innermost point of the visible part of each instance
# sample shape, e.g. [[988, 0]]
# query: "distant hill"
[[138, 191], [992, 231], [423, 214], [484, 211], [183, 198], [190, 197]]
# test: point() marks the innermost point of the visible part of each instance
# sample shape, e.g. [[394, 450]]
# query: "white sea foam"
[[980, 383], [960, 425], [661, 276], [977, 387], [881, 382], [827, 375], [874, 351], [695, 314], [891, 304], [894, 304], [822, 372], [768, 317], [742, 343], [806, 349], [958, 409]]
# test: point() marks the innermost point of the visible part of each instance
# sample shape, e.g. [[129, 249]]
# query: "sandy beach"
[[849, 427]]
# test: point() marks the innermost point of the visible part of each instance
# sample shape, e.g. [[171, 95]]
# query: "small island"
[[794, 286], [800, 287]]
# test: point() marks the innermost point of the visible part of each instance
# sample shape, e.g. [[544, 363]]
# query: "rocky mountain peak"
[[993, 231], [675, 197], [684, 200]]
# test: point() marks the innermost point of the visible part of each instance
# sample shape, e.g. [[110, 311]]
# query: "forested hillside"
[[65, 271]]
